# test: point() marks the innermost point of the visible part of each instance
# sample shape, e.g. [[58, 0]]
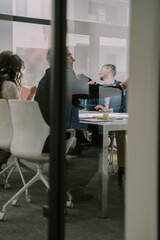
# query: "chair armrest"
[[71, 131]]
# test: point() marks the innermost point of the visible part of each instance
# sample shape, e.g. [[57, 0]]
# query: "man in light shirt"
[[107, 75]]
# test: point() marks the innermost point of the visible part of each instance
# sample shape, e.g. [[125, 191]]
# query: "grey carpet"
[[26, 222]]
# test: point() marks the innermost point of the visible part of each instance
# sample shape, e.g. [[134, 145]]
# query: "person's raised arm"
[[31, 93]]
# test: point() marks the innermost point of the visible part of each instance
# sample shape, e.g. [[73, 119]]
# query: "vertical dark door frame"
[[57, 110]]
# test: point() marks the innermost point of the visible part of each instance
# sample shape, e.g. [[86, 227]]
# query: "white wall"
[[141, 181]]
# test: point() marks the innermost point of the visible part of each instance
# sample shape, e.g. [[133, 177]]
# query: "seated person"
[[42, 97], [107, 75], [120, 138], [75, 86], [122, 108], [11, 66]]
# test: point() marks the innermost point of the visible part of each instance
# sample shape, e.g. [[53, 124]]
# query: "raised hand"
[[101, 108], [32, 93]]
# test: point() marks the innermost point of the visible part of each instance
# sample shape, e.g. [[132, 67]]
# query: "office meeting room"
[[79, 119]]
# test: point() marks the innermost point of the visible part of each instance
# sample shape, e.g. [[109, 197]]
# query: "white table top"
[[116, 121], [94, 114]]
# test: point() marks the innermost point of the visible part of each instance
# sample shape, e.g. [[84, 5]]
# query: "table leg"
[[103, 176]]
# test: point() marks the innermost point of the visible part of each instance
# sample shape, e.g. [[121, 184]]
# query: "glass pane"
[[30, 42], [36, 9], [32, 47], [97, 41], [6, 6], [27, 8], [6, 35], [109, 12]]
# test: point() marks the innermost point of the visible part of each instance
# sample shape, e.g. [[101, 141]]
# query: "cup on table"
[[106, 116]]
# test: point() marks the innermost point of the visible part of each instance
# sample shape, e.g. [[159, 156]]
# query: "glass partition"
[[36, 9], [32, 47], [6, 34], [6, 7], [30, 39], [97, 35]]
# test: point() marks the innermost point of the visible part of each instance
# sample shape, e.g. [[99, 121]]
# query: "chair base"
[[39, 176], [11, 167]]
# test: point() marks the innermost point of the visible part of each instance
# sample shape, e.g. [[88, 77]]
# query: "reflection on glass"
[[6, 33], [114, 51], [6, 7], [36, 9], [32, 47], [105, 42], [107, 12], [97, 37], [27, 8], [30, 42]]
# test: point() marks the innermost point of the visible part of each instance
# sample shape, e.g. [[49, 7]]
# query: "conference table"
[[115, 122]]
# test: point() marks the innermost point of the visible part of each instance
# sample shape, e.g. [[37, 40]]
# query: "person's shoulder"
[[44, 79], [48, 70], [8, 84], [71, 76], [9, 90], [70, 71]]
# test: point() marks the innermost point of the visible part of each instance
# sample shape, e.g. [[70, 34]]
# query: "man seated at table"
[[42, 97], [120, 138], [107, 74]]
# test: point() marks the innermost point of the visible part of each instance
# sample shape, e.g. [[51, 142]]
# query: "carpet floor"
[[26, 221]]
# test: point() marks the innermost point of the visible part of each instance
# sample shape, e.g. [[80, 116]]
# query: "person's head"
[[106, 70], [48, 56], [70, 59], [11, 67]]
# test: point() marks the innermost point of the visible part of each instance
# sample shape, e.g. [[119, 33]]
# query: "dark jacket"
[[42, 95]]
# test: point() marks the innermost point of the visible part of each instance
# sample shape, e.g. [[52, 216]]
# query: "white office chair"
[[29, 135], [6, 134], [6, 129]]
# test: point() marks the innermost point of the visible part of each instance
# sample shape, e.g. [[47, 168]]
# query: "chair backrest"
[[6, 128], [115, 95], [30, 131], [75, 90]]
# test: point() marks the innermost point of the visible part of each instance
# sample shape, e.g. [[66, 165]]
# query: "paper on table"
[[100, 115], [118, 115], [95, 120], [90, 115]]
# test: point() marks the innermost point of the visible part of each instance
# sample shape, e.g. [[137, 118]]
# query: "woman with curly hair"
[[11, 72], [11, 67]]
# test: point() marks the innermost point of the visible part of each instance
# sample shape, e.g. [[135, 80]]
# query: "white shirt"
[[9, 90]]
